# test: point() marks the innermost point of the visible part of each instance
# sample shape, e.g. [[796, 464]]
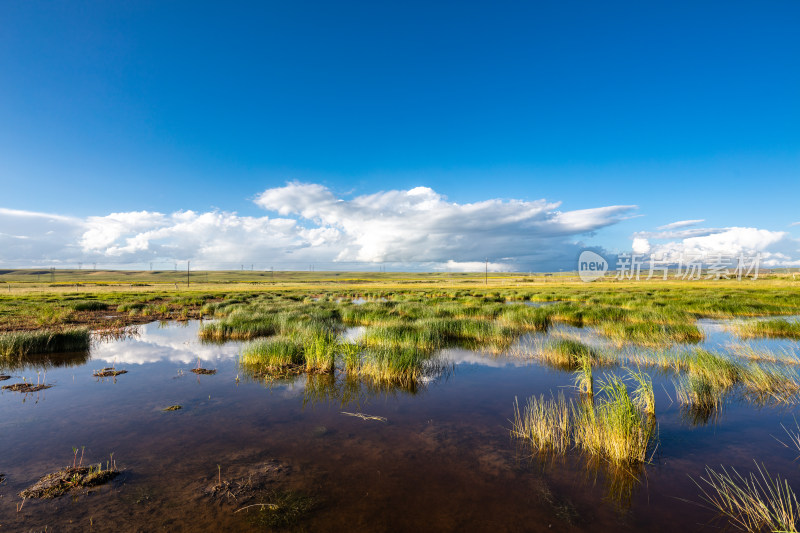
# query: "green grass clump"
[[351, 356], [777, 329], [272, 355], [319, 351], [651, 333], [23, 343], [241, 325], [525, 317], [721, 372], [92, 305], [757, 502], [401, 366], [404, 337], [567, 354], [51, 315], [130, 306]]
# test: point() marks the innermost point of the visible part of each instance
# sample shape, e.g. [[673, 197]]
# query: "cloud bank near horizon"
[[775, 248], [414, 229]]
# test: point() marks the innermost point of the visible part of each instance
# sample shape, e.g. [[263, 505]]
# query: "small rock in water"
[[173, 408]]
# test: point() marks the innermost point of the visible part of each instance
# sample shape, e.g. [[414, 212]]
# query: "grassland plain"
[[626, 310]]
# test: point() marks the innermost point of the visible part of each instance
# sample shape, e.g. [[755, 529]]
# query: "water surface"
[[442, 460]]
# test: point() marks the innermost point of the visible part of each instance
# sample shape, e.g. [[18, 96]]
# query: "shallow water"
[[442, 460]]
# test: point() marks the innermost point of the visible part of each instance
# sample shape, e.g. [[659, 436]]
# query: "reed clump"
[[545, 423], [584, 378], [616, 426]]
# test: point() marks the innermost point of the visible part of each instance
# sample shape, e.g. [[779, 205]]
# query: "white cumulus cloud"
[[775, 248], [307, 223], [420, 225]]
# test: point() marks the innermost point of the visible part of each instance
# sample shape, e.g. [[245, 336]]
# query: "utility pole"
[[187, 272], [486, 273], [272, 273]]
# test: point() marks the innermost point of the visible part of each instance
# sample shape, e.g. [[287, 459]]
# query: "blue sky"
[[687, 111]]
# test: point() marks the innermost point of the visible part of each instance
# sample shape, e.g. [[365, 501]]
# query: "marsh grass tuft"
[[22, 343], [644, 397], [545, 423], [272, 355], [319, 351], [698, 396], [752, 503], [613, 425], [400, 366], [584, 380], [566, 353], [651, 333], [771, 383], [774, 328]]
